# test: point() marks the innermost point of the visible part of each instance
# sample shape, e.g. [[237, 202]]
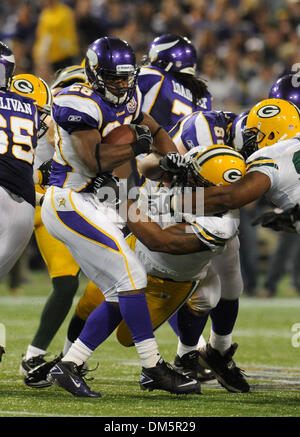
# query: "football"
[[120, 135]]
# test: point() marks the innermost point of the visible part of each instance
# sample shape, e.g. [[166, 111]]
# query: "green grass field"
[[266, 353]]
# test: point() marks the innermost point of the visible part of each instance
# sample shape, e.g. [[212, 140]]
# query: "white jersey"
[[281, 163], [213, 231]]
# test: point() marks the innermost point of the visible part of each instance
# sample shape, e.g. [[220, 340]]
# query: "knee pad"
[[228, 267], [207, 295]]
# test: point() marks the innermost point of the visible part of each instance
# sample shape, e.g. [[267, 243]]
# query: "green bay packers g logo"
[[23, 86], [268, 111], [232, 175]]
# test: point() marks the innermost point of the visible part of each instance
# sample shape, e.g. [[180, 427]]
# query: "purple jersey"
[[19, 124], [203, 129], [76, 108], [165, 99]]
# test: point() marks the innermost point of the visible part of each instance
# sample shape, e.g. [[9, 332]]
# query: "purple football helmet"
[[287, 88], [173, 53], [110, 66], [7, 66], [237, 136]]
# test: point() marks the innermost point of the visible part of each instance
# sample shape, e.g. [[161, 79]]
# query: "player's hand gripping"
[[143, 141]]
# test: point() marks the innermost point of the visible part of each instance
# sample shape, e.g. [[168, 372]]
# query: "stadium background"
[[243, 47]]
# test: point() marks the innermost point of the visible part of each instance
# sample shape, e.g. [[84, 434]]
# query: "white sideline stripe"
[[268, 303], [24, 413], [266, 333], [26, 300], [245, 302]]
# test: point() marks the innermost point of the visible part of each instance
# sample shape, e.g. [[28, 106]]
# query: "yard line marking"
[[247, 302], [25, 413]]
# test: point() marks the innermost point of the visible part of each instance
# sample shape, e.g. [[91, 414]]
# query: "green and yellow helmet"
[[36, 88], [215, 165]]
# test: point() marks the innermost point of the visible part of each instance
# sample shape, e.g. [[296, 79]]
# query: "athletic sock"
[[190, 326], [78, 353], [100, 324], [55, 310], [135, 312], [224, 316], [148, 352], [220, 342], [75, 327], [33, 351], [183, 349]]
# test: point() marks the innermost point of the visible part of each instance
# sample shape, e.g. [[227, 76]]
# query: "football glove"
[[143, 141], [280, 220], [44, 172], [177, 166], [173, 163]]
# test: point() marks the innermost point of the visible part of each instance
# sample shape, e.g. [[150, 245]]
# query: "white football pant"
[[16, 227], [89, 230]]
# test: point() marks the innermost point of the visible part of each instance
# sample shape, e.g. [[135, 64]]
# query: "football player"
[[214, 165], [168, 81], [72, 213], [170, 90], [19, 125], [227, 264], [174, 278], [63, 269], [20, 122], [272, 135]]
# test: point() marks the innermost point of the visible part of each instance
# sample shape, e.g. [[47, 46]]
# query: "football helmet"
[[69, 75], [215, 165], [7, 66], [270, 121], [286, 88], [35, 88], [110, 66], [173, 53], [236, 134]]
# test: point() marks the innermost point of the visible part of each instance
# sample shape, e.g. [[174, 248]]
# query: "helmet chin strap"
[[114, 99]]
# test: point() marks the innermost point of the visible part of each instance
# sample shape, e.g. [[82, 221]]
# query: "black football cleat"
[[31, 363], [37, 377], [189, 366], [164, 377], [224, 368], [66, 375]]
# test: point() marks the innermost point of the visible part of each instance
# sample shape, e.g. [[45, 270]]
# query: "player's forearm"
[[112, 156], [218, 200], [149, 167], [177, 239]]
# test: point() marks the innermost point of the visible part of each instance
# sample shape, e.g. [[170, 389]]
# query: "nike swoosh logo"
[[193, 381], [77, 384]]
